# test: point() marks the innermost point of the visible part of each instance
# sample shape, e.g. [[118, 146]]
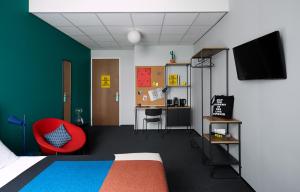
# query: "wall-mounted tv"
[[262, 58]]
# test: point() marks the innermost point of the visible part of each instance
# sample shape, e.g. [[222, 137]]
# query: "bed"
[[133, 172], [15, 168]]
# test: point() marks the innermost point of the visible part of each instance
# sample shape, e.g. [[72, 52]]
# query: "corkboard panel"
[[157, 81]]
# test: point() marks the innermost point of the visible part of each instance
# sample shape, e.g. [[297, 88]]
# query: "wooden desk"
[[172, 115], [143, 108]]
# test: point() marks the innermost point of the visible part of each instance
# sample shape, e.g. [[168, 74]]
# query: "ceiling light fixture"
[[134, 36]]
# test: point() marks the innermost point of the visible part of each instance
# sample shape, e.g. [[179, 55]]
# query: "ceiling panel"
[[120, 37], [109, 30], [179, 18], [208, 18], [150, 38], [149, 29], [125, 45], [170, 37], [82, 38], [70, 30], [185, 42], [119, 19], [149, 43], [85, 40], [94, 30], [119, 29], [197, 30], [174, 29], [110, 47], [169, 43], [54, 19], [190, 38], [83, 19], [147, 18], [108, 43], [92, 46], [100, 38]]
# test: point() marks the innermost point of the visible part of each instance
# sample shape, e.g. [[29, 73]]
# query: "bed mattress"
[[127, 172], [17, 167]]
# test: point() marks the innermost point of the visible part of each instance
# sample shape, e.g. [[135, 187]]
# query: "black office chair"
[[155, 115]]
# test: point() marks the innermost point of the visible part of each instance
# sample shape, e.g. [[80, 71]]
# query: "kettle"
[[175, 102]]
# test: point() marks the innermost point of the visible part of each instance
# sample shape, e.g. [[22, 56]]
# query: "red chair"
[[44, 126]]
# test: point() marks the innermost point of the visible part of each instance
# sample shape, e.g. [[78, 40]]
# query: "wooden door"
[[105, 87], [67, 90]]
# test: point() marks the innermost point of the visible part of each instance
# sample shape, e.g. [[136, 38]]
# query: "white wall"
[[126, 81], [269, 109], [159, 56], [128, 6], [141, 56]]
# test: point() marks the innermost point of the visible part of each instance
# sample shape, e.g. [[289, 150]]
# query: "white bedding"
[[14, 169], [138, 156]]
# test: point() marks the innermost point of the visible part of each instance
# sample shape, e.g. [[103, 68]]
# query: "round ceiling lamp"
[[134, 36]]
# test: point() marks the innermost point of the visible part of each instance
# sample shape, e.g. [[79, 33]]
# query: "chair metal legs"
[[159, 125], [144, 121]]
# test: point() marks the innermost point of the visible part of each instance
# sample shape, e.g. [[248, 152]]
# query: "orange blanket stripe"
[[135, 176]]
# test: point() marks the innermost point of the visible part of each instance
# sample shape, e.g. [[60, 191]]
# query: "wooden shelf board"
[[220, 120], [150, 107], [218, 155], [203, 66], [178, 64], [223, 140], [185, 107], [161, 107], [208, 52], [171, 86]]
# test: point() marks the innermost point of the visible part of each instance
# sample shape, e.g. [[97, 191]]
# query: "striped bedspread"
[[127, 173]]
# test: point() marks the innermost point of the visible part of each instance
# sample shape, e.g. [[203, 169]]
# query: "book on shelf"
[[173, 80], [219, 131], [217, 135]]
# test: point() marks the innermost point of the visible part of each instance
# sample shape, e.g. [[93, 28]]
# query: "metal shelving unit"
[[187, 88], [216, 154]]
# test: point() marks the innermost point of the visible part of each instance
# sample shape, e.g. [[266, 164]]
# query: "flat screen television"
[[262, 58]]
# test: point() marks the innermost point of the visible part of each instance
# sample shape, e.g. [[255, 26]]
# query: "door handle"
[[117, 96], [65, 97]]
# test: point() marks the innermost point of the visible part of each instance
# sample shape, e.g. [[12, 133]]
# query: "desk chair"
[[155, 115]]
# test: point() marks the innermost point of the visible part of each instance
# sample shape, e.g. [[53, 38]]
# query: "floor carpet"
[[184, 169]]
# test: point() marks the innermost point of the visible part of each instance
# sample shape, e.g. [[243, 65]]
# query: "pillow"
[[59, 137], [138, 156], [6, 156]]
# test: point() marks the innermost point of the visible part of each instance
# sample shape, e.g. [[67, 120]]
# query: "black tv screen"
[[262, 58]]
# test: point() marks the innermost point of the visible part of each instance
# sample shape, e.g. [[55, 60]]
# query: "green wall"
[[31, 54]]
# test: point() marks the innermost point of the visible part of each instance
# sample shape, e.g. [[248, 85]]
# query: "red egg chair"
[[44, 126]]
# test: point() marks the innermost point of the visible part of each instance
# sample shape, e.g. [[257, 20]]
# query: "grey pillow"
[[59, 137]]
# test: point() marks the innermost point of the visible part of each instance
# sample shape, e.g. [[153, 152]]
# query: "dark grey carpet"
[[184, 169]]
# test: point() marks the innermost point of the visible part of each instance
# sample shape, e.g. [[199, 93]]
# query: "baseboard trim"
[[127, 126]]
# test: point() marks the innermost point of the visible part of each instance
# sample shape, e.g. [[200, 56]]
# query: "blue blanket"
[[77, 176]]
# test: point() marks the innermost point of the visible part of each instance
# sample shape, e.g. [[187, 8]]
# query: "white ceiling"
[[109, 30]]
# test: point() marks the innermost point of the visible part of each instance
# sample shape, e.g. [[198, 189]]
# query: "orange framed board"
[[149, 78]]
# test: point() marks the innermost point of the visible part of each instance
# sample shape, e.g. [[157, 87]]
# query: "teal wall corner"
[[31, 56]]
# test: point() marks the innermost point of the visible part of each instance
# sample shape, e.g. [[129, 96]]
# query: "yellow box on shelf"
[[173, 80]]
